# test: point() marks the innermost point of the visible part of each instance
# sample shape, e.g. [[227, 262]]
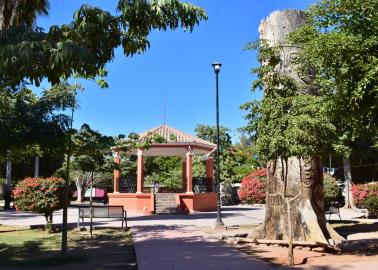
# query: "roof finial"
[[164, 113]]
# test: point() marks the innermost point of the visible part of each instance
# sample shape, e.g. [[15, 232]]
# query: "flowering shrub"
[[253, 187], [40, 195], [366, 195], [361, 192]]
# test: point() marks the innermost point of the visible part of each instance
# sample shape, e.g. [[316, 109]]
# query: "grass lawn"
[[22, 248]]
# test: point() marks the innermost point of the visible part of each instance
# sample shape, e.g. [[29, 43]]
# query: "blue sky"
[[176, 70]]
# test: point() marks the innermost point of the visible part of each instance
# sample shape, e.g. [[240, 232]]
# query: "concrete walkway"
[[184, 247]]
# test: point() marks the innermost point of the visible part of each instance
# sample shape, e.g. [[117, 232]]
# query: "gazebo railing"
[[128, 184], [202, 184]]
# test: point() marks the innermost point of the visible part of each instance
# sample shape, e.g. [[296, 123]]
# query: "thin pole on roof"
[[164, 113]]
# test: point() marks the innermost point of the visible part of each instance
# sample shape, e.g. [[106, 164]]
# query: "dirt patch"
[[361, 245]]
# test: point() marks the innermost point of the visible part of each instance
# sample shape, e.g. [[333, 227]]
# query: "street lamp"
[[218, 222]]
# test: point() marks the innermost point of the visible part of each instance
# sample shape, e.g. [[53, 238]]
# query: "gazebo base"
[[144, 202]]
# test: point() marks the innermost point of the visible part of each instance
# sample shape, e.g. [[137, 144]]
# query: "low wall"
[[144, 202], [133, 202], [197, 202]]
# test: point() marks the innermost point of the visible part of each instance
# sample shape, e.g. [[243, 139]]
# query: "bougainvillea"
[[40, 195], [361, 192], [366, 196], [253, 187]]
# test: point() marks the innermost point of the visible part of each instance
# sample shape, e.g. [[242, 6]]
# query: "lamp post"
[[218, 222]]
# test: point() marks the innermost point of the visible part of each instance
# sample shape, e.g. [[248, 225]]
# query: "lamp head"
[[216, 66]]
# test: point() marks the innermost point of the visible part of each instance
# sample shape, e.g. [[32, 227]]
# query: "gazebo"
[[196, 194]]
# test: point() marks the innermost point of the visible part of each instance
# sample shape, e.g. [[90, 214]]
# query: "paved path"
[[183, 247], [232, 215]]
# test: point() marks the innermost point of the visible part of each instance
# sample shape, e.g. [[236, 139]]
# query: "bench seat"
[[102, 211]]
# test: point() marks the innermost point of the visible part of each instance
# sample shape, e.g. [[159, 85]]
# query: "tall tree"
[[291, 129], [33, 125]]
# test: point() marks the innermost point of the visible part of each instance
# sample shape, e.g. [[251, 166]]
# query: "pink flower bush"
[[41, 195], [363, 191], [253, 187]]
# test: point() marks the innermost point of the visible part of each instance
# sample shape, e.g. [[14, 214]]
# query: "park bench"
[[333, 209], [102, 211]]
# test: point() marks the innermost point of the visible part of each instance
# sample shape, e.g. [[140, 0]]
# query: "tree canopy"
[[340, 42], [31, 124], [84, 46]]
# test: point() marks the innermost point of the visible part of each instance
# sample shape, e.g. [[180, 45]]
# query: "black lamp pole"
[[218, 222]]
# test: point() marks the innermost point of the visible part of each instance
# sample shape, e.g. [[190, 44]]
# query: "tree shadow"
[[83, 252], [355, 227]]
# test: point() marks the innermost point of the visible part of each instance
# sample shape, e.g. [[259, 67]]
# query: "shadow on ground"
[[107, 247]]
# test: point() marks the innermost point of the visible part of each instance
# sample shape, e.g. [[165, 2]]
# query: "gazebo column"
[[183, 174], [189, 172], [117, 173], [210, 171], [140, 172]]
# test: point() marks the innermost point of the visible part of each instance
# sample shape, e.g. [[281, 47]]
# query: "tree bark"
[[8, 13], [8, 184], [91, 206], [295, 193], [80, 189], [36, 166], [348, 183]]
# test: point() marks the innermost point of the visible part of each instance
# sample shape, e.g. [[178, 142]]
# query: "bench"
[[102, 211], [333, 209]]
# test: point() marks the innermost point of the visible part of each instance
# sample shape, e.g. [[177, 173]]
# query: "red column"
[[189, 172], [210, 170], [183, 176], [140, 173], [117, 173]]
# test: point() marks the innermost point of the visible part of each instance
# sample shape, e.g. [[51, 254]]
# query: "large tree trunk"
[[36, 167], [288, 179], [8, 184], [295, 186], [80, 188], [348, 183]]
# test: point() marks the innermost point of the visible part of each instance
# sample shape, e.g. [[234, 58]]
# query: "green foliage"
[[331, 190], [166, 170], [227, 193], [340, 43], [286, 122], [227, 153], [34, 125], [84, 46], [2, 183], [39, 195], [371, 204]]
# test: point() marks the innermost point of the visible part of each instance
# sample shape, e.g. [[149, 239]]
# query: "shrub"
[[371, 204], [226, 193], [2, 183], [363, 191], [253, 187], [331, 190], [40, 195]]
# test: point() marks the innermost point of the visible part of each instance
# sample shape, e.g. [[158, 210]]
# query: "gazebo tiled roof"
[[172, 135], [176, 143]]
